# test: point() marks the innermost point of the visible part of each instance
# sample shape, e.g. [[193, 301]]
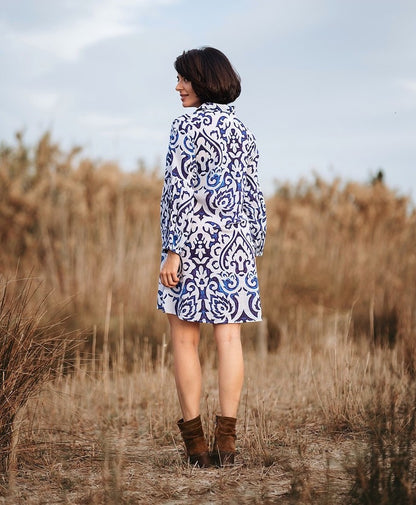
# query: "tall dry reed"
[[334, 252], [340, 248]]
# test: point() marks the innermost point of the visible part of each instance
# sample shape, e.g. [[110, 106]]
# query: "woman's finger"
[[168, 280], [173, 278]]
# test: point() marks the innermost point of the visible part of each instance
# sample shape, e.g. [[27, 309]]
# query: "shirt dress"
[[213, 215]]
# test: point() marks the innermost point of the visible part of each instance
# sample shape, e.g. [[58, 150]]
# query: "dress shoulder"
[[182, 124]]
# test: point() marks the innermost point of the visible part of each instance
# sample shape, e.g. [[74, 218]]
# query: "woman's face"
[[188, 96]]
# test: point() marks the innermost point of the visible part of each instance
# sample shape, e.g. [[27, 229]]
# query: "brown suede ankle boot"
[[224, 442], [195, 443]]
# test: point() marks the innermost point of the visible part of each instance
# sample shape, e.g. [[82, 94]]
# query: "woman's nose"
[[178, 86]]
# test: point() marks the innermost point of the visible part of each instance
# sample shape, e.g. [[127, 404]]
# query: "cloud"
[[104, 121], [95, 21], [408, 84], [269, 21], [121, 126], [43, 100], [137, 133]]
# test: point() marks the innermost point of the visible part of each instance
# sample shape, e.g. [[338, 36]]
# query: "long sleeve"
[[178, 199], [253, 203]]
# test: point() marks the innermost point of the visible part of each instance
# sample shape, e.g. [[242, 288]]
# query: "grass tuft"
[[30, 355]]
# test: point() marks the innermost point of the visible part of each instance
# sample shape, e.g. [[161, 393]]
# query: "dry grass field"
[[88, 407]]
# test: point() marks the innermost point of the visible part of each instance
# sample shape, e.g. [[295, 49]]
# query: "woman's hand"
[[169, 270]]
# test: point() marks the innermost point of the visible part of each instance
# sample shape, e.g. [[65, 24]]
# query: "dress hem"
[[257, 320]]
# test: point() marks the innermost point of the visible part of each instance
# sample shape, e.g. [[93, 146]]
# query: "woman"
[[213, 224]]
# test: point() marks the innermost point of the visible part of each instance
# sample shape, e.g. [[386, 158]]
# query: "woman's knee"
[[227, 333]]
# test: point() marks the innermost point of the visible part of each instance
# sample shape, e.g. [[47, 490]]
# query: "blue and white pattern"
[[213, 215]]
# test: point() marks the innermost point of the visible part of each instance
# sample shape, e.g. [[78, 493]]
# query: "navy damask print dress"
[[212, 215]]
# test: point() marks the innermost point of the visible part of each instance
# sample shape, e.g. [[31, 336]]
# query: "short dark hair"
[[212, 76]]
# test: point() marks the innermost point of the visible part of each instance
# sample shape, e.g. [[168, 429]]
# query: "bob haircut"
[[211, 74]]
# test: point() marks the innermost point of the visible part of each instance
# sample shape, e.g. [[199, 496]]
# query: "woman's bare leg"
[[230, 367], [187, 367]]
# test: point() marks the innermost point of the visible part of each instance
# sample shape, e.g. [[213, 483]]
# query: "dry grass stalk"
[[121, 435], [30, 354], [337, 280], [384, 471]]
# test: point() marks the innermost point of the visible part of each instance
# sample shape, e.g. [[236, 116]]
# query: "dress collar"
[[216, 107]]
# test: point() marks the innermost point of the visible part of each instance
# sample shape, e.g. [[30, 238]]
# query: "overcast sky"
[[328, 86]]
